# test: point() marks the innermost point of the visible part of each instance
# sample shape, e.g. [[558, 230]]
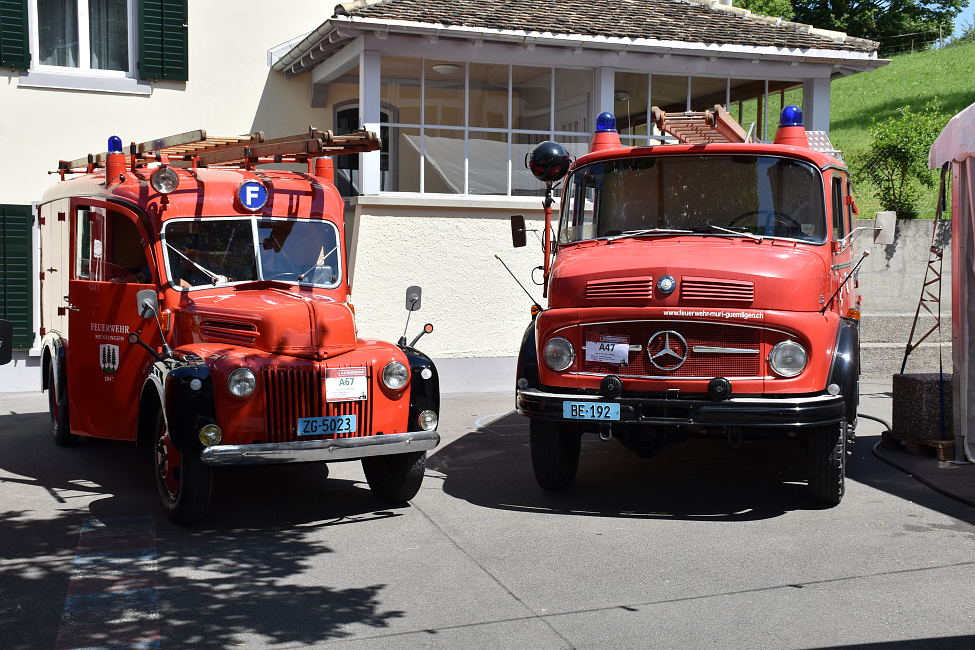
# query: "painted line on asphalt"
[[478, 421], [112, 598]]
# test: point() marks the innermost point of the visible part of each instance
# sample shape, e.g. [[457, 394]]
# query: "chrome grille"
[[292, 392], [716, 290], [698, 364]]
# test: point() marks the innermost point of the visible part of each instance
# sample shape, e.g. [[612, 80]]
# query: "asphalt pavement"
[[704, 546]]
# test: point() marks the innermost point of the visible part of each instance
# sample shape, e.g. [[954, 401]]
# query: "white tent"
[[956, 145]]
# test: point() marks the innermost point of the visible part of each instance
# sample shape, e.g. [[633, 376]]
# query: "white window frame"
[[84, 77]]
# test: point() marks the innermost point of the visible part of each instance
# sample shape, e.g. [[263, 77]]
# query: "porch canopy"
[[956, 146]]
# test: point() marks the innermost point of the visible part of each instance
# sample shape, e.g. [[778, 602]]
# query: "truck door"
[[110, 265], [55, 266], [842, 257]]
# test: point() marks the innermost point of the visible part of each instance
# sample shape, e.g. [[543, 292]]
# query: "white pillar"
[[369, 104], [605, 83], [815, 104]]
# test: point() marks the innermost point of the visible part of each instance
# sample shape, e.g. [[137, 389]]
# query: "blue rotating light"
[[605, 123], [115, 144], [790, 116]]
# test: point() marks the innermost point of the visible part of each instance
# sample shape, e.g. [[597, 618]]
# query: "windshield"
[[204, 253], [760, 195]]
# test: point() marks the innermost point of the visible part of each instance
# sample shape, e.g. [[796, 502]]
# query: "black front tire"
[[555, 453], [185, 482], [396, 478], [827, 464], [57, 402]]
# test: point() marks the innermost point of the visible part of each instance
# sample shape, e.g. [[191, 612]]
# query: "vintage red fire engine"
[[705, 288], [196, 303]]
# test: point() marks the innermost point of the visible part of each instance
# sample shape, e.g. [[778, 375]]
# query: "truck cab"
[[703, 287], [195, 298]]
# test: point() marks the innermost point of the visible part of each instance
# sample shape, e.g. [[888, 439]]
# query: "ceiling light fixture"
[[445, 68]]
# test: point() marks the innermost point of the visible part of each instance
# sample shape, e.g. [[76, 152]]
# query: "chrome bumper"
[[319, 450]]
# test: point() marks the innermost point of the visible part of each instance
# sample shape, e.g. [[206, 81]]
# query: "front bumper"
[[693, 414], [321, 450]]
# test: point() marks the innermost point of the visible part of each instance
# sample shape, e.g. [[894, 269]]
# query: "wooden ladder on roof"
[[197, 149], [700, 127]]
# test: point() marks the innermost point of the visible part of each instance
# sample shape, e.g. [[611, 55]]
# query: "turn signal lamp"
[[605, 136], [211, 435], [853, 313]]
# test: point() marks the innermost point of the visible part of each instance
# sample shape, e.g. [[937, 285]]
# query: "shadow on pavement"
[[693, 480], [260, 533]]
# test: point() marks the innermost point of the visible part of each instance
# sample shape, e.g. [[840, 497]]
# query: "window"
[[94, 45], [465, 127], [347, 166], [88, 35]]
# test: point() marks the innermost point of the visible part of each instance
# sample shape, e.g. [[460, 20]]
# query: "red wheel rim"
[[168, 464]]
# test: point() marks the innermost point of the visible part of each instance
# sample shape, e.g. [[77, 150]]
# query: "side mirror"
[[518, 238], [413, 298], [147, 303], [6, 341], [885, 227]]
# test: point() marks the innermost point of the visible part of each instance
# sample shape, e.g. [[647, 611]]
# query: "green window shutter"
[[162, 40], [16, 281], [14, 49]]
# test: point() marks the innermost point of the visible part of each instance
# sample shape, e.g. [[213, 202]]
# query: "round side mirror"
[[548, 162]]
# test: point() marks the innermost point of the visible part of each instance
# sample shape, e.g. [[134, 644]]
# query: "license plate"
[[324, 426], [590, 411]]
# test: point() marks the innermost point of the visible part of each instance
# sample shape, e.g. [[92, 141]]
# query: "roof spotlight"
[[164, 180]]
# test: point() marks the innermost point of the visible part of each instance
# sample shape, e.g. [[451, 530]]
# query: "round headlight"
[[241, 382], [211, 435], [558, 354], [788, 358], [428, 420], [164, 180], [395, 375]]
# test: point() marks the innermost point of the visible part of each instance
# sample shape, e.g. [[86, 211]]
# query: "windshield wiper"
[[215, 279], [324, 257], [649, 231], [740, 233]]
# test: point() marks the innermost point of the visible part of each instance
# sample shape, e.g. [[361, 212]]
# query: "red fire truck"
[[195, 300], [701, 287]]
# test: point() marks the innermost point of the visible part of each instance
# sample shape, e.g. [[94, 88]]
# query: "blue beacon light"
[[790, 116], [605, 123], [115, 144]]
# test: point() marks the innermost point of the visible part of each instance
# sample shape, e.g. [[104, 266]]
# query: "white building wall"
[[447, 246], [231, 91]]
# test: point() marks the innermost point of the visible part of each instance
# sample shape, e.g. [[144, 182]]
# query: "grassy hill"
[[908, 80]]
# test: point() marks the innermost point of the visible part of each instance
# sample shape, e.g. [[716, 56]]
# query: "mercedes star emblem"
[[667, 349]]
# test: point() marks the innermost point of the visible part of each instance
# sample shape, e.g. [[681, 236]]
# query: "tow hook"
[[734, 437], [605, 431]]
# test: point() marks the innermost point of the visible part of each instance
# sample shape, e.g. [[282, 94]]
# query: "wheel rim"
[[168, 465]]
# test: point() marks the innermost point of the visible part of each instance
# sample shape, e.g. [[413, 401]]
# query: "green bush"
[[896, 163]]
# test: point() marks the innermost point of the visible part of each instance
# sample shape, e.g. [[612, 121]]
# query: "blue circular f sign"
[[252, 195]]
